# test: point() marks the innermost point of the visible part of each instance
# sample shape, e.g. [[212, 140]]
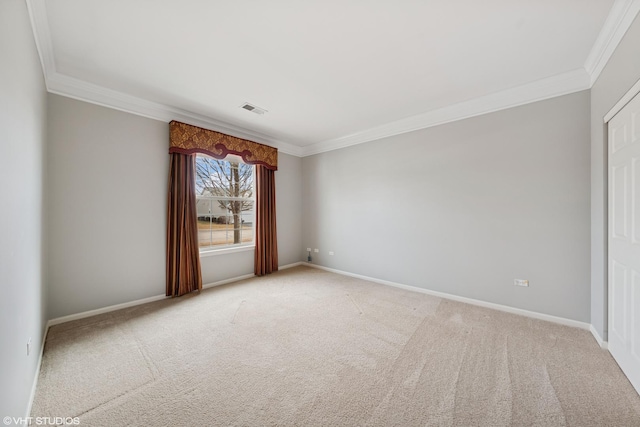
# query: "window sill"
[[227, 250]]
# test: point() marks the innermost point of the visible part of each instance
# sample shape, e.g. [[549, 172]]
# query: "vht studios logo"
[[41, 421]]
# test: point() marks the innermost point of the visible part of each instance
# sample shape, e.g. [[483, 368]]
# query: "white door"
[[624, 239]]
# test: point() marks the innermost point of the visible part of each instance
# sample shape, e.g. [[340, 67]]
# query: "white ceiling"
[[330, 73]]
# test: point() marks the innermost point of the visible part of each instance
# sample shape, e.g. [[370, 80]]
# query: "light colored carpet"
[[311, 348]]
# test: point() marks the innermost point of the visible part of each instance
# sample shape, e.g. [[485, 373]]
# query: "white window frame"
[[233, 247]]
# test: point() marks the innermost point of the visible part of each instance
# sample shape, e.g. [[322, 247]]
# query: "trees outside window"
[[225, 201]]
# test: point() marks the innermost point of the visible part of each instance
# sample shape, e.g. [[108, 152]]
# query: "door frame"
[[631, 93], [622, 102]]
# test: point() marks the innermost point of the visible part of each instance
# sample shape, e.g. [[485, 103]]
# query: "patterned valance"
[[189, 139]]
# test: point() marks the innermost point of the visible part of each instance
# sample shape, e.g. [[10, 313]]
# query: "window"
[[225, 202]]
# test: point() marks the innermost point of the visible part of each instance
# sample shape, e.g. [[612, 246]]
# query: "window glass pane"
[[224, 200]]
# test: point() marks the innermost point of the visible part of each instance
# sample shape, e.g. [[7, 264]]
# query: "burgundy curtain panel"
[[266, 255], [183, 253], [183, 261]]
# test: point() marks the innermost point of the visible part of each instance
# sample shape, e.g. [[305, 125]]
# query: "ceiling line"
[[71, 87], [562, 84], [620, 18]]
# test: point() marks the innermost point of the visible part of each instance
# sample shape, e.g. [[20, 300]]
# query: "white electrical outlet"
[[308, 249], [331, 253], [316, 250], [521, 282], [29, 346]]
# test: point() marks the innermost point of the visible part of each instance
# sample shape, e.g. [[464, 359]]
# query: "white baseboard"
[[102, 310], [245, 276], [500, 307], [295, 264], [602, 343], [225, 281], [35, 378], [115, 307]]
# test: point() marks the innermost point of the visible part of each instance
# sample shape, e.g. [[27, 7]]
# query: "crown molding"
[[78, 89], [563, 84], [42, 35], [620, 18], [617, 23], [71, 87]]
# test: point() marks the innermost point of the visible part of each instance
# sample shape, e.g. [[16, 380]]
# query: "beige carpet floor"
[[304, 347]]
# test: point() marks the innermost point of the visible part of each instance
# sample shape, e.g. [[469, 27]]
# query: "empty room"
[[321, 213]]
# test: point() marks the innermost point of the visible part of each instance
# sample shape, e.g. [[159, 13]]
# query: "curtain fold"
[[183, 254], [266, 253]]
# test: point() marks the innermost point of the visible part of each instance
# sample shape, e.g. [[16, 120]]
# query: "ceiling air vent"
[[253, 108]]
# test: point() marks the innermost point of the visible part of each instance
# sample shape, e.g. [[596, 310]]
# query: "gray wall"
[[289, 208], [620, 74], [107, 183], [464, 208], [22, 145]]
